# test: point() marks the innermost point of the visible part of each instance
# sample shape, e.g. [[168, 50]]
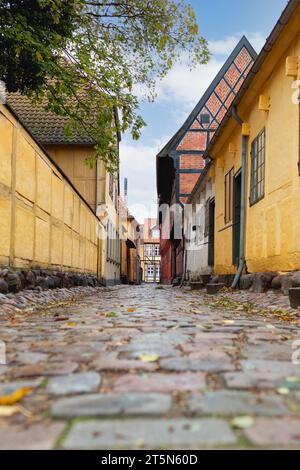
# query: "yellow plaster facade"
[[109, 230], [44, 222], [130, 247], [273, 223], [72, 160]]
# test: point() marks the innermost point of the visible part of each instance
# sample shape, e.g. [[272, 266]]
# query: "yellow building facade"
[[44, 221], [100, 189], [109, 228], [130, 247], [56, 212], [269, 109]]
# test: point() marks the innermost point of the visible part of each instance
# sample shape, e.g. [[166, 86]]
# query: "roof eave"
[[270, 42], [174, 141]]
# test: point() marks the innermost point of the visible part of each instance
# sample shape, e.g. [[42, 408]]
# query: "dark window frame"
[[258, 167], [206, 218], [228, 200]]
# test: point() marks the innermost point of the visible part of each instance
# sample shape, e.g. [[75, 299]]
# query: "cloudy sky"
[[222, 23]]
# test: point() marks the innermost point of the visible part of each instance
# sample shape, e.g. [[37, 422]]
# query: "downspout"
[[96, 211], [243, 201], [299, 132], [184, 266]]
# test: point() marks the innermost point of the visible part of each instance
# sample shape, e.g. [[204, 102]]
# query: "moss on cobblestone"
[[182, 329], [237, 308]]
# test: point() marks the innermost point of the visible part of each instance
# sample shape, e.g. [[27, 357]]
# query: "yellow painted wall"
[[128, 256], [132, 265], [123, 258], [272, 224], [223, 234], [109, 228], [43, 221], [72, 160]]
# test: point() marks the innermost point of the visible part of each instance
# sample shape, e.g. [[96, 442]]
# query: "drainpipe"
[[243, 201], [97, 183], [299, 124], [184, 266]]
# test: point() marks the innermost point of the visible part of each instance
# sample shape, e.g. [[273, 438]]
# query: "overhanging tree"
[[83, 59]]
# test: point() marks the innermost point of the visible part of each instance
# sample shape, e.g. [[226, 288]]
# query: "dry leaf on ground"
[[15, 397], [6, 411], [148, 357], [242, 422]]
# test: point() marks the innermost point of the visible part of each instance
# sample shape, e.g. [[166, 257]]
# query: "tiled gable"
[[195, 135]]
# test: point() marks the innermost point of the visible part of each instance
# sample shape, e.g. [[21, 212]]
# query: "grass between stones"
[[249, 308], [242, 442]]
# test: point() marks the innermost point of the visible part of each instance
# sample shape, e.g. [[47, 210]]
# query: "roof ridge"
[[243, 42]]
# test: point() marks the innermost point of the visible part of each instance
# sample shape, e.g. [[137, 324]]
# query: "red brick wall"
[[193, 141], [166, 262], [184, 200], [191, 161]]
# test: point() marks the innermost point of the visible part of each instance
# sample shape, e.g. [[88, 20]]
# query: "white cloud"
[[185, 87], [225, 46], [180, 91]]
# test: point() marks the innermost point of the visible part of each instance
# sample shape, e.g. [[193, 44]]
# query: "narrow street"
[[151, 367]]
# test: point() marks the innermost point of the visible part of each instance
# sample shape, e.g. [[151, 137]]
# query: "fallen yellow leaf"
[[71, 324], [283, 391], [242, 422], [148, 357], [131, 310], [228, 322], [15, 397]]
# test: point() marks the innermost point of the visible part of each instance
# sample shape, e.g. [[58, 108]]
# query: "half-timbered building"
[[180, 163]]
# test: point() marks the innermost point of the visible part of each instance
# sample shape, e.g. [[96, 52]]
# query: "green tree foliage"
[[87, 58]]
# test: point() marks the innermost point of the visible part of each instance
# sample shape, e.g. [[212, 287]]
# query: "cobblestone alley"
[[151, 367]]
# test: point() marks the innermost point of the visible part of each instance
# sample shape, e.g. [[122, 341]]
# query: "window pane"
[[228, 196]]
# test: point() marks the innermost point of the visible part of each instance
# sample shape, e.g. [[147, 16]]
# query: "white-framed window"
[[148, 250], [157, 250], [150, 271]]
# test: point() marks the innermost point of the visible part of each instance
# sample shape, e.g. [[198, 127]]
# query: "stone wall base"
[[15, 280], [258, 282], [262, 282]]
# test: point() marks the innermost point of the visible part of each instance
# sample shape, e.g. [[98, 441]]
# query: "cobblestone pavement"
[[147, 367]]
